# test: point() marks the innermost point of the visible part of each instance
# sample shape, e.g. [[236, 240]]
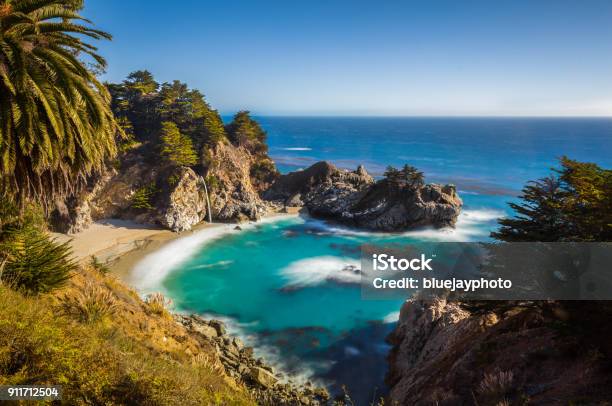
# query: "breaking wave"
[[317, 270], [149, 273], [472, 225], [297, 149]]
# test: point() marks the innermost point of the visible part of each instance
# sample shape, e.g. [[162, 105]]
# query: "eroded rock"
[[355, 199]]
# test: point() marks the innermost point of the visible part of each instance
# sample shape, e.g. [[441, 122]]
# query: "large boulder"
[[262, 377], [354, 198]]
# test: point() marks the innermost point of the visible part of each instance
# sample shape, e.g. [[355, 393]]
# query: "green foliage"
[[57, 124], [142, 105], [142, 81], [408, 175], [128, 141], [392, 173], [143, 196], [188, 109], [246, 132], [212, 183], [176, 148], [413, 176], [573, 205], [97, 265], [173, 179], [33, 263]]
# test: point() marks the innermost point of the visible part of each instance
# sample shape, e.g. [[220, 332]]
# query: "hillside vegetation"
[[104, 345]]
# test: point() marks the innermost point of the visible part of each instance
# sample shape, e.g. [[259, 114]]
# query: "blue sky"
[[535, 58]]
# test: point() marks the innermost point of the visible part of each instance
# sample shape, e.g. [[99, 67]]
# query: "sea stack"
[[354, 198]]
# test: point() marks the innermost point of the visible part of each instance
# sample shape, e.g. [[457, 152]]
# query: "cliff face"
[[445, 355], [355, 199], [146, 191], [234, 197], [171, 197]]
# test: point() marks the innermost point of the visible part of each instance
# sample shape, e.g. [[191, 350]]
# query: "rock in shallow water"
[[355, 199]]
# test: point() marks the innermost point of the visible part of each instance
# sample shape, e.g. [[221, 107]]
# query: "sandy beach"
[[122, 244], [119, 243]]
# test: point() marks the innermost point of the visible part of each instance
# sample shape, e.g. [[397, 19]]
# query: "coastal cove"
[[274, 282], [282, 309], [303, 204]]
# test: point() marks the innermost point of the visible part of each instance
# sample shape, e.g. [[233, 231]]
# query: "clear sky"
[[532, 57]]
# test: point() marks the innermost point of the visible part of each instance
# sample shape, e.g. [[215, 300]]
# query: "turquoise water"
[[282, 284]]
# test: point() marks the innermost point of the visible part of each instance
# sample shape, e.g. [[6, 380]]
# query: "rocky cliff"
[[171, 197], [354, 198], [234, 196], [444, 354], [144, 190]]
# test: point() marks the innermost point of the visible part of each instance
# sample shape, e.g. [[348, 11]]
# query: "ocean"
[[278, 283]]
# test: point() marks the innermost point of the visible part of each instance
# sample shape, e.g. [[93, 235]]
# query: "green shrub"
[[142, 197], [176, 148], [212, 183], [97, 265], [32, 262]]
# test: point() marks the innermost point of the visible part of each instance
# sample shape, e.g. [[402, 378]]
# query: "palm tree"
[[56, 125]]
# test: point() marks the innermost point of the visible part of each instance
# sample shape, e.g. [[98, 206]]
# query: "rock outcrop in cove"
[[355, 199]]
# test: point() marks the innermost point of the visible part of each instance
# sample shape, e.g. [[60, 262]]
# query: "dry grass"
[[91, 304], [157, 303], [496, 385], [111, 362]]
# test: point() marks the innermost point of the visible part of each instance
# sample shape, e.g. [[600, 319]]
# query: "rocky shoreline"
[[263, 382], [448, 352]]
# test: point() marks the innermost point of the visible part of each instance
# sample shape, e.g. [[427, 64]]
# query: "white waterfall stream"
[[207, 202]]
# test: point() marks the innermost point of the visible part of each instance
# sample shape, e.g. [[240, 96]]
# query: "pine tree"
[[176, 148], [539, 217], [573, 205], [392, 174], [244, 131], [413, 176]]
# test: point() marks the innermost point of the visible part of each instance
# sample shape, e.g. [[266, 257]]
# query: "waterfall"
[[207, 202]]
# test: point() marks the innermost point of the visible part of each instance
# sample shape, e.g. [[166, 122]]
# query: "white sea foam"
[[391, 317], [469, 227], [148, 274], [271, 354], [297, 149], [316, 270], [220, 264]]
